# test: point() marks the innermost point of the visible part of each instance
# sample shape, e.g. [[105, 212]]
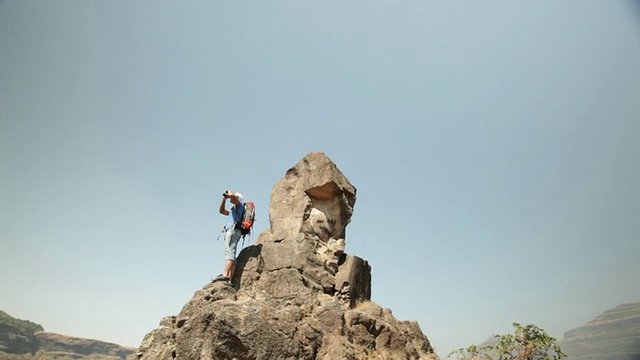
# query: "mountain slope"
[[17, 336], [612, 335], [25, 340]]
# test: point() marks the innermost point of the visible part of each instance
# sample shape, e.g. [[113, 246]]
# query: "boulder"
[[353, 280]]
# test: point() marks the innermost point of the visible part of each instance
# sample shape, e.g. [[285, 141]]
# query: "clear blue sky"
[[510, 131]]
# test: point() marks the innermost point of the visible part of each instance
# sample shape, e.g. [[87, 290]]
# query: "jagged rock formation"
[[25, 340], [296, 294], [612, 335]]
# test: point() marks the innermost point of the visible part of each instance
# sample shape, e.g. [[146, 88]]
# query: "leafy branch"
[[528, 342]]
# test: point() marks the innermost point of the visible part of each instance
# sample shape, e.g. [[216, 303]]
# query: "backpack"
[[248, 218]]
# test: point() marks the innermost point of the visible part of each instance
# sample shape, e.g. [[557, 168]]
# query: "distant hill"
[[612, 335], [25, 340]]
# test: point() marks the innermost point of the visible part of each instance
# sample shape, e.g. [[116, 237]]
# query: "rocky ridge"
[[296, 293], [612, 335], [24, 340]]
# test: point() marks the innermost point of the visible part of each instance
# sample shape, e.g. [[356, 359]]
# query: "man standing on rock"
[[232, 234]]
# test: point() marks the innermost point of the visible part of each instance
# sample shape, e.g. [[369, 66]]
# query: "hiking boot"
[[220, 278]]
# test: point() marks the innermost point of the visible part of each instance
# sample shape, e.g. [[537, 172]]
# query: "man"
[[232, 235]]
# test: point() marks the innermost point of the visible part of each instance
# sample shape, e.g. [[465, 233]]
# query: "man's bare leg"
[[229, 269]]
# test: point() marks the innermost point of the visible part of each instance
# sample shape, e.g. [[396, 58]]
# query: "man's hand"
[[222, 209]]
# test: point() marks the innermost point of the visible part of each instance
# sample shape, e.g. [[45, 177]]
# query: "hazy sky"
[[508, 130]]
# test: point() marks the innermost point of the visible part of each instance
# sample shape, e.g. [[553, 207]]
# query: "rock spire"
[[296, 293]]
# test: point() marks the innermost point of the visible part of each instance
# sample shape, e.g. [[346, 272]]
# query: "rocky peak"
[[296, 293]]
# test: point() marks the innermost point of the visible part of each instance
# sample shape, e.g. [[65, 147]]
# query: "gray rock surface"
[[296, 293]]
